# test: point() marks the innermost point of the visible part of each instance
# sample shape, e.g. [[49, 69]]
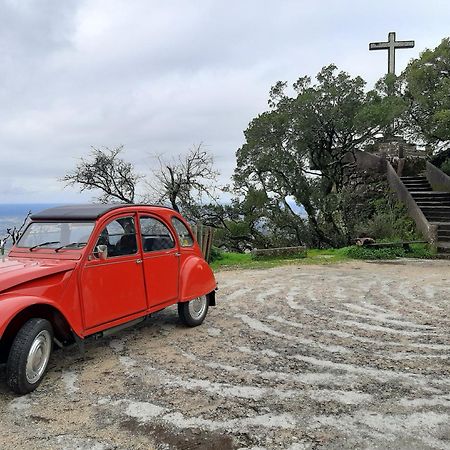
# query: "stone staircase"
[[435, 206]]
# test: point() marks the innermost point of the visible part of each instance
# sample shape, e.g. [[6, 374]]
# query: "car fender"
[[12, 306], [29, 271], [196, 278]]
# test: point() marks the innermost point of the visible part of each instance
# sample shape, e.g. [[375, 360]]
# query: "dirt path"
[[341, 356]]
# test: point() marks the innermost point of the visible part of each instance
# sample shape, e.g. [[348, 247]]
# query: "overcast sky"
[[160, 76]]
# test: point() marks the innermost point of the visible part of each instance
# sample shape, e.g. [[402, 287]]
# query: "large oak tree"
[[427, 90], [303, 148]]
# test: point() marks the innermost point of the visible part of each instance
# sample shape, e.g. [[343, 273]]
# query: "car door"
[[186, 241], [161, 260], [113, 287]]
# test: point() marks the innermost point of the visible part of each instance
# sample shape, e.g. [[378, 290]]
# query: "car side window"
[[119, 236], [185, 237], [155, 235]]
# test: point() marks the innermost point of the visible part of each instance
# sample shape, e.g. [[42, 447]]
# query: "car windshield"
[[56, 235]]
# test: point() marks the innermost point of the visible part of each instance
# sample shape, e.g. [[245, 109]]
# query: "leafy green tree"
[[304, 148], [427, 90]]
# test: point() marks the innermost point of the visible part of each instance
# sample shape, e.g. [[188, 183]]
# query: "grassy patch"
[[245, 260], [228, 261], [331, 255]]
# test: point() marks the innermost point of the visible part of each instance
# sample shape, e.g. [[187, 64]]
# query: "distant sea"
[[13, 214]]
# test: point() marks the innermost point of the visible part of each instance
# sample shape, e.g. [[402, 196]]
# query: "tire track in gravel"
[[342, 356]]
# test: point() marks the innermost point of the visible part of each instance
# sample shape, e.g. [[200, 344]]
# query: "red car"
[[85, 270]]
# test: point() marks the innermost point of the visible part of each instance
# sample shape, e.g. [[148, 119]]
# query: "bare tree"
[[186, 180], [183, 181], [105, 171], [13, 234]]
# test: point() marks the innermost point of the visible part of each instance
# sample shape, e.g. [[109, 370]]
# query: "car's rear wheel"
[[193, 313], [29, 356]]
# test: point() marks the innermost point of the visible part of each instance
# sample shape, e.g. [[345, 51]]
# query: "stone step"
[[437, 218], [417, 184], [441, 224], [422, 206], [431, 203], [414, 177], [433, 220], [440, 201], [432, 195], [438, 208], [408, 182], [427, 203], [416, 187], [436, 193], [443, 247], [436, 211]]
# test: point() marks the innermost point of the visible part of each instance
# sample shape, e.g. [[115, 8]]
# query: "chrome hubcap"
[[197, 307], [38, 356]]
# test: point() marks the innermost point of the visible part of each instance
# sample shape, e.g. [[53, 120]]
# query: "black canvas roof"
[[77, 212]]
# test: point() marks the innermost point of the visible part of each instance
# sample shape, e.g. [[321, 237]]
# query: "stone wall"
[[396, 147], [283, 252]]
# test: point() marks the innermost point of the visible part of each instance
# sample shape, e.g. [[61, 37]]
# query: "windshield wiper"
[[70, 245], [42, 244]]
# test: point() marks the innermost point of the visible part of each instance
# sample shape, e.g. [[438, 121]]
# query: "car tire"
[[29, 356], [193, 313]]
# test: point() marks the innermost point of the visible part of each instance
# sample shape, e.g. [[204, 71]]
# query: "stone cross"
[[391, 45]]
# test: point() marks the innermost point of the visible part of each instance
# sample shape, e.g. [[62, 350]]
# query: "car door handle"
[[139, 261], [177, 254]]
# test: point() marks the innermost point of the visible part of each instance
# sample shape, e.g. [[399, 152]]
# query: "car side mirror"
[[101, 251]]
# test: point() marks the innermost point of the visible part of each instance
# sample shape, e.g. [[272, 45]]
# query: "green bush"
[[375, 253], [421, 251], [445, 167], [416, 251], [389, 222], [216, 254]]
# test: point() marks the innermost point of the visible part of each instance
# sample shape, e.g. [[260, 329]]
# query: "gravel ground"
[[354, 355]]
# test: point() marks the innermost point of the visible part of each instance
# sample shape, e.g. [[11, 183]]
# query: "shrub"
[[416, 251], [375, 253], [216, 254], [445, 167], [389, 222]]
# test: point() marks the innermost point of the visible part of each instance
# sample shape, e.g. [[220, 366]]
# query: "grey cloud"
[[159, 77]]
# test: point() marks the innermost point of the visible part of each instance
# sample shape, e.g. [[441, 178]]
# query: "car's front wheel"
[[29, 355], [193, 313]]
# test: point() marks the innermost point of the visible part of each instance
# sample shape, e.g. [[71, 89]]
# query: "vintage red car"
[[84, 270]]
